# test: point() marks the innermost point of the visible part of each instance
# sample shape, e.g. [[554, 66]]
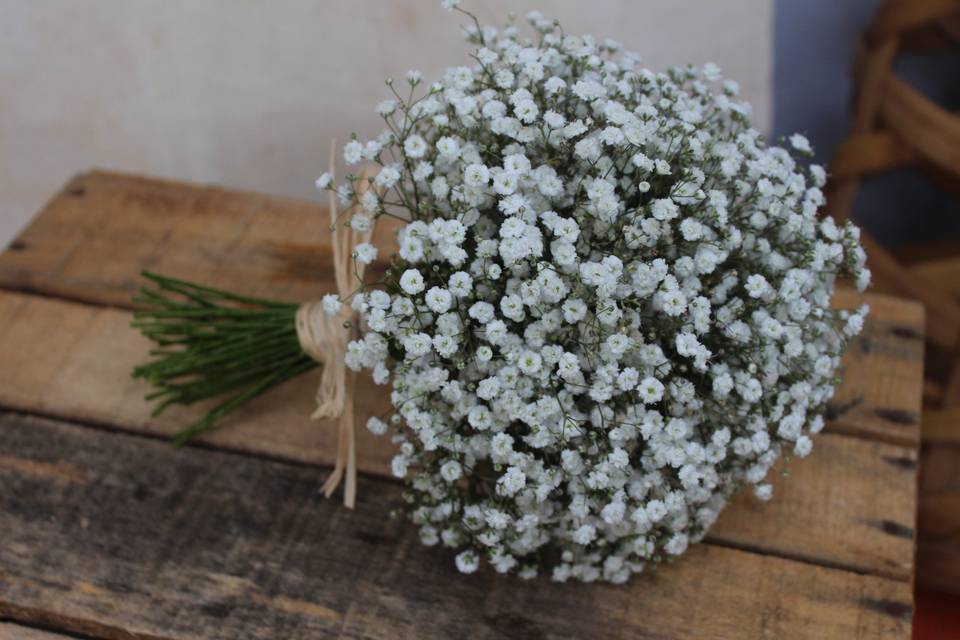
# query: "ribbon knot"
[[324, 337]]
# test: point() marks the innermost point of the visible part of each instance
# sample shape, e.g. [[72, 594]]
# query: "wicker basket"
[[895, 126]]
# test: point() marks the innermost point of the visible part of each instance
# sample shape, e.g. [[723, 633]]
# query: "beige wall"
[[249, 93]]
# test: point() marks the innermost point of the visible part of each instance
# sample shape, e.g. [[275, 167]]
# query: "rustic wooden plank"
[[851, 504], [113, 535], [277, 247], [829, 511], [74, 361], [882, 388], [247, 242], [938, 554], [880, 396]]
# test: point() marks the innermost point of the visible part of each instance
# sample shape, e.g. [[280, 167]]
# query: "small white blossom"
[[467, 561], [412, 281], [365, 253], [610, 307], [414, 146], [377, 426], [800, 143], [332, 304], [511, 482], [438, 299], [451, 471], [324, 181], [476, 175], [352, 152]]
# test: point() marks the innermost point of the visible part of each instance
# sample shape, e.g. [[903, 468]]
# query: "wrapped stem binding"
[[212, 343]]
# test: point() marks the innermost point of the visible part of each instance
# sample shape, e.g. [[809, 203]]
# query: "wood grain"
[[880, 395], [276, 247], [828, 512], [246, 242], [121, 536], [879, 399], [828, 509]]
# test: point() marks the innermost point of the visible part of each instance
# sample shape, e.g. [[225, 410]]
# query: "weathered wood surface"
[[92, 240], [82, 372], [850, 504], [938, 553], [277, 247], [879, 396], [840, 531], [115, 535], [883, 371], [829, 510]]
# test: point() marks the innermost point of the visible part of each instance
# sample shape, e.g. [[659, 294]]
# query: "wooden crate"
[[108, 530]]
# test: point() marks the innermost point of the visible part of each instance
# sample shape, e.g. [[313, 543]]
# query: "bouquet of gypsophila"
[[610, 308]]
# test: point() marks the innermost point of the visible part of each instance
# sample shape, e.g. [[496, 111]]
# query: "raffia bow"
[[325, 337]]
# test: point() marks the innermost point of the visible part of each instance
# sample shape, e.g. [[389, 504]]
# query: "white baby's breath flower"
[[763, 491], [467, 561], [610, 307], [332, 304], [438, 299], [324, 181], [800, 143], [412, 281], [365, 253], [451, 471], [376, 426], [414, 146], [476, 175], [353, 152], [386, 107]]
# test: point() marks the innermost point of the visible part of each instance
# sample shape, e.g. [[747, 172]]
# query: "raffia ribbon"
[[325, 338]]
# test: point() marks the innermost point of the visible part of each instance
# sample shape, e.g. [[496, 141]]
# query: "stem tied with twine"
[[210, 343]]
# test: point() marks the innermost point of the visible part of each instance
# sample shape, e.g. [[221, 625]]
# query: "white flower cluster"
[[609, 311]]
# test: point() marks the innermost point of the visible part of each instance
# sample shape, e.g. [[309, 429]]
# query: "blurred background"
[[248, 94]]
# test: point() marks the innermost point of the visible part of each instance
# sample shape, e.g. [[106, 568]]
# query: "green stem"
[[239, 400], [212, 343]]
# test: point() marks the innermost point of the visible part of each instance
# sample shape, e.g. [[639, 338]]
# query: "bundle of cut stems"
[[210, 343]]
